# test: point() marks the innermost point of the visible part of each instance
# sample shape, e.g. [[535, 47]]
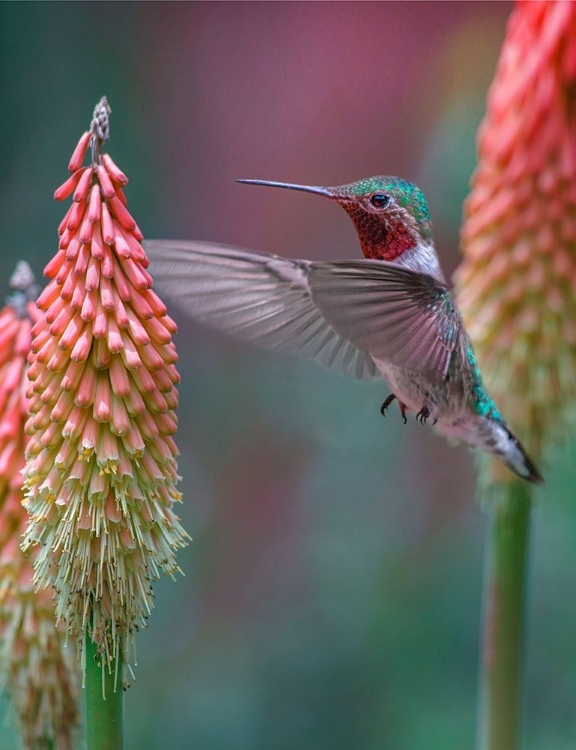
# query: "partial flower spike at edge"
[[101, 474], [516, 291], [516, 283], [37, 672]]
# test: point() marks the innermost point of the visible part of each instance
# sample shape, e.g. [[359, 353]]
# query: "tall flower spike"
[[516, 292], [101, 462], [516, 284], [36, 670]]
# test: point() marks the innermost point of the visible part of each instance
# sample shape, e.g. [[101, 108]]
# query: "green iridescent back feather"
[[449, 328], [481, 402]]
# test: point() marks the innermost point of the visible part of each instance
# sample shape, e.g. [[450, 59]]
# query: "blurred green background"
[[332, 590]]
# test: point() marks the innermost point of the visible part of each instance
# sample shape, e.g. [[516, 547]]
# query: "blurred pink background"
[[332, 589]]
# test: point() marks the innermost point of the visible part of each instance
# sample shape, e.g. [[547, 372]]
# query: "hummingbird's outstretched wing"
[[398, 315], [261, 298]]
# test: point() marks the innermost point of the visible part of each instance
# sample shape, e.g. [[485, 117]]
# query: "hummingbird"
[[388, 315]]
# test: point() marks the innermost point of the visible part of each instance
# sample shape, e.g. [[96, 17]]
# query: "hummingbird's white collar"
[[422, 258]]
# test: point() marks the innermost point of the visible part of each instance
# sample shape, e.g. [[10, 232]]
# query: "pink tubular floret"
[[79, 153]]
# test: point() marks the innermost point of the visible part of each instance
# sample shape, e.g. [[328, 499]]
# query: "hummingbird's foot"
[[403, 411], [386, 404], [423, 415]]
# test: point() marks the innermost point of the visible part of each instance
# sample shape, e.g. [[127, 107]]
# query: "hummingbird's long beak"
[[326, 192]]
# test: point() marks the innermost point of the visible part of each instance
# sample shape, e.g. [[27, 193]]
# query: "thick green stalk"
[[501, 669], [104, 702]]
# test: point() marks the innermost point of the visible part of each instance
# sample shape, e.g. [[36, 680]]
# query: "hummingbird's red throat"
[[381, 239]]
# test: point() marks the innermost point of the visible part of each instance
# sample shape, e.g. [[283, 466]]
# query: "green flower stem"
[[501, 670], [104, 703]]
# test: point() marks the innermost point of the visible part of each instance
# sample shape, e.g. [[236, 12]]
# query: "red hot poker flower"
[[101, 462]]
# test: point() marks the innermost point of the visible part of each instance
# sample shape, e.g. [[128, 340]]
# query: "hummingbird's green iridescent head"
[[390, 215]]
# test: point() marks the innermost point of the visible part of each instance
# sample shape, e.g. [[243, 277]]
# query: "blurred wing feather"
[[400, 316], [263, 299]]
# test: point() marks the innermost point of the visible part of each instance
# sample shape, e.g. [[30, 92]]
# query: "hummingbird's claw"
[[386, 404], [403, 412], [423, 415]]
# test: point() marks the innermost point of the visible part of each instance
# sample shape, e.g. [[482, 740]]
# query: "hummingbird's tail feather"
[[518, 461], [493, 436]]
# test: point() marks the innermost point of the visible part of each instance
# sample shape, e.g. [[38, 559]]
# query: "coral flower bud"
[[105, 182], [67, 188], [94, 206], [101, 470], [83, 186], [116, 174], [77, 158]]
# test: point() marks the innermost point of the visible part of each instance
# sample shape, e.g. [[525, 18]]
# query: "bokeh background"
[[332, 588]]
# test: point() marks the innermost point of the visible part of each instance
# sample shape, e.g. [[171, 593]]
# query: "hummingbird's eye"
[[380, 200]]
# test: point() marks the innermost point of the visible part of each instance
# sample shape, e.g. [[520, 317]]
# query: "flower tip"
[[22, 277], [100, 126], [24, 289]]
